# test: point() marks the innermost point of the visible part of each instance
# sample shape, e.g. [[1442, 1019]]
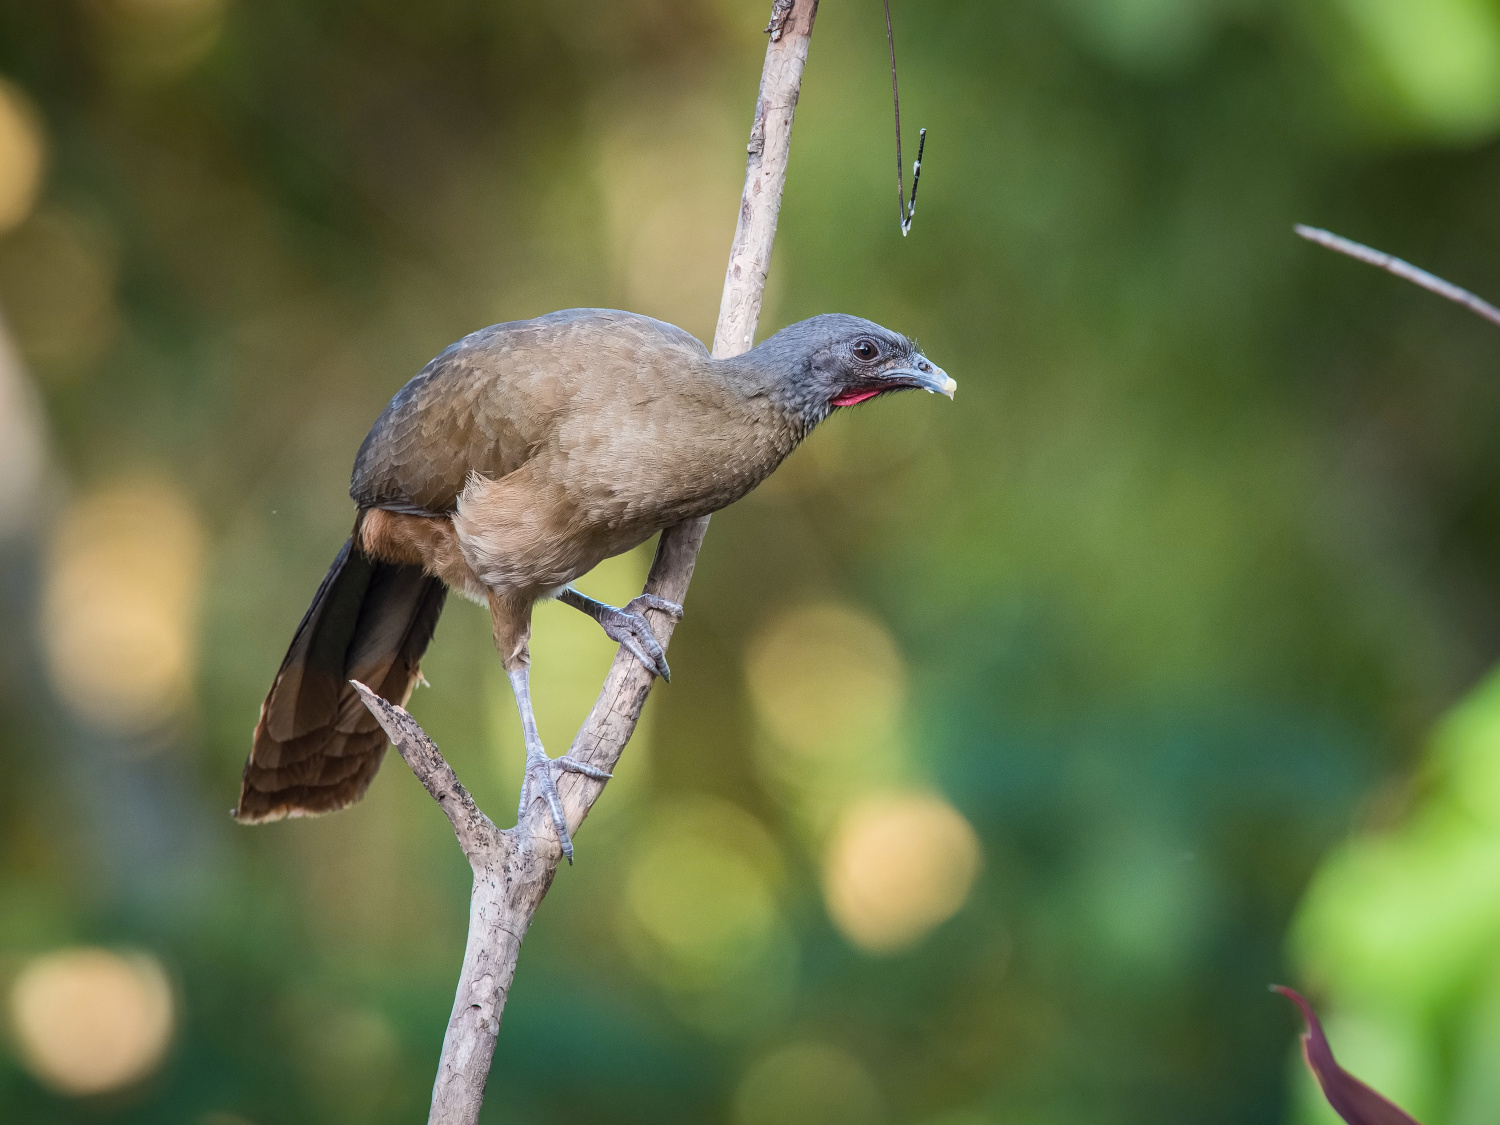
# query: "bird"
[[509, 466]]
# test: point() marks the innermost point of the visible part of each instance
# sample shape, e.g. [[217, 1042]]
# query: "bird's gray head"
[[839, 360]]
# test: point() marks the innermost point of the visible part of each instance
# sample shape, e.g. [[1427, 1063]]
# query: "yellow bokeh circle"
[[898, 865], [88, 1021]]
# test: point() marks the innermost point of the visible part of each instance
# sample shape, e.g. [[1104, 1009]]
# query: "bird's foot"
[[630, 628], [542, 771]]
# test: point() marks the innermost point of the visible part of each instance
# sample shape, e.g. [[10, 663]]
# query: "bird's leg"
[[629, 626], [541, 771], [511, 621]]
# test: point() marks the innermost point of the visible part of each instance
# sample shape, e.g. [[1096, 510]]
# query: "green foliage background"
[[1206, 544]]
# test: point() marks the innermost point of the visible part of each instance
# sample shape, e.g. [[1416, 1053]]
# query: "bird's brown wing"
[[439, 428], [487, 404]]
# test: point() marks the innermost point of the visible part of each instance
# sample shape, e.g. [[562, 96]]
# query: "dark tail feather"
[[316, 746]]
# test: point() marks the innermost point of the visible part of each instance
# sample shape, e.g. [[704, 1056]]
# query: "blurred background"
[[1015, 744]]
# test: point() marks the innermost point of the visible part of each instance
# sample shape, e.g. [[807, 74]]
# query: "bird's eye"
[[866, 349]]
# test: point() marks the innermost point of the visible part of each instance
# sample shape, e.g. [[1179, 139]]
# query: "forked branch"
[[514, 868]]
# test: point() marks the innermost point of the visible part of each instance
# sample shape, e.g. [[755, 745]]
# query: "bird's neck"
[[777, 390]]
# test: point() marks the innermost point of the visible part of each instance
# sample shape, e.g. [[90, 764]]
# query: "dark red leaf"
[[1351, 1099]]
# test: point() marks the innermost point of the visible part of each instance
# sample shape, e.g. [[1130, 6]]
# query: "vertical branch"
[[513, 869], [765, 176], [610, 724]]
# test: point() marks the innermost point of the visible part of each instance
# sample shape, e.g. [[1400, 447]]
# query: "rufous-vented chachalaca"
[[514, 462]]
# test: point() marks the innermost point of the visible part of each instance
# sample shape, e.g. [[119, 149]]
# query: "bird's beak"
[[922, 372]]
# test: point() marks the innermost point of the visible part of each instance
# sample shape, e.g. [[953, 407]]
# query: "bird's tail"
[[316, 746]]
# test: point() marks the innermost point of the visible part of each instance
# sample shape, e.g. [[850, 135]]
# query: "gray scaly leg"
[[628, 626], [542, 771]]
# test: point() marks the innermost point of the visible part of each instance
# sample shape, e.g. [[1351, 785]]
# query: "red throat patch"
[[850, 398]]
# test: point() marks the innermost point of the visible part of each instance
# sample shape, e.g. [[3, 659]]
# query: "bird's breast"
[[670, 463]]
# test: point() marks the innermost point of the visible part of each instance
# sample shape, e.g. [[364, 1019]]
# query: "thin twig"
[[904, 211], [476, 833], [1381, 260]]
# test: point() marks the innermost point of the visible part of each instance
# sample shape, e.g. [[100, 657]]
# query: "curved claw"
[[629, 628], [540, 770], [652, 601]]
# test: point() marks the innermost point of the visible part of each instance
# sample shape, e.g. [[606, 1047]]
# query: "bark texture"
[[513, 868]]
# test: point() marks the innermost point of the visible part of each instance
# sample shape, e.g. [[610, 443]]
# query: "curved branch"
[[1404, 270]]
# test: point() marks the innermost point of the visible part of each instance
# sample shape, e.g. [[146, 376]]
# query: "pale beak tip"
[[930, 377]]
